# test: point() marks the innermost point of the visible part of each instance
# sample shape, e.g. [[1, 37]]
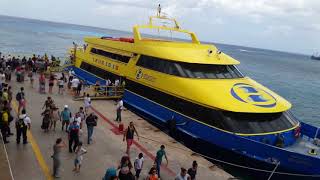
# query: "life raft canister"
[[297, 132], [129, 40]]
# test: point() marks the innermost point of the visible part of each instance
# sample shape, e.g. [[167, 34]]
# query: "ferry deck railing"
[[101, 92]]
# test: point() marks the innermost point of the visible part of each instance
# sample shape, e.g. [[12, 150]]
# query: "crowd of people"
[[71, 123]]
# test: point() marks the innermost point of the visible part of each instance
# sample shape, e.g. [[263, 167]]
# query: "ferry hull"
[[218, 144], [224, 146]]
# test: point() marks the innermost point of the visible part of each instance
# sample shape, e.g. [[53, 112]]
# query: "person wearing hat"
[[65, 117]]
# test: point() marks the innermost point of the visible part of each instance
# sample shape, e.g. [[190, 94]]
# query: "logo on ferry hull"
[[248, 94], [139, 74]]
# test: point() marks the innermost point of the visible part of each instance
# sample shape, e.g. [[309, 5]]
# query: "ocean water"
[[293, 76]]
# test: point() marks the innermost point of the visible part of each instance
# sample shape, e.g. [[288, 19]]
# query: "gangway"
[[101, 92]]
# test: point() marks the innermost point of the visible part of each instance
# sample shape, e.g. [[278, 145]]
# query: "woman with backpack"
[[55, 116], [125, 169], [46, 119]]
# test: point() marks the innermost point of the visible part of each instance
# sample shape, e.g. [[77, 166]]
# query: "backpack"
[[20, 123], [18, 96]]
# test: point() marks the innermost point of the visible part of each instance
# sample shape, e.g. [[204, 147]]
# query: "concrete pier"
[[33, 160]]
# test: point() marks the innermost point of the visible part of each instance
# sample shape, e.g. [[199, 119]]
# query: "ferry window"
[[246, 123], [206, 115], [189, 70], [252, 123], [117, 57], [98, 71]]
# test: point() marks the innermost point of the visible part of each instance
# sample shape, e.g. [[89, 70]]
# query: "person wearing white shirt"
[[87, 103], [108, 83], [138, 164], [2, 77], [183, 175], [22, 124], [116, 82], [119, 109], [77, 118], [74, 84]]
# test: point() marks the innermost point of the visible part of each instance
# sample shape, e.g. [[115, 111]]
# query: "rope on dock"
[[232, 164]]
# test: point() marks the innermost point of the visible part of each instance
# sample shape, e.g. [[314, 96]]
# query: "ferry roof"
[[170, 50]]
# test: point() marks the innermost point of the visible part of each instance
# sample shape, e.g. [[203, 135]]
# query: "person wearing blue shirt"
[[65, 116], [110, 172], [160, 153], [73, 136]]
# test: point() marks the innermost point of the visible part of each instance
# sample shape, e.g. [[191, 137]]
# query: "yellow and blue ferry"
[[198, 94]]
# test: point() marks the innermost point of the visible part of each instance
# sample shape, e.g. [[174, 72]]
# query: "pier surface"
[[33, 160]]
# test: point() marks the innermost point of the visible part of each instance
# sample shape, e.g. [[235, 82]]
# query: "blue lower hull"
[[217, 144]]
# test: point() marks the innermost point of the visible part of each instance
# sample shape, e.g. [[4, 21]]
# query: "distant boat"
[[316, 56]]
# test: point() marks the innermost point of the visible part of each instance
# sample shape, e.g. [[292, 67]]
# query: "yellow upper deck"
[[238, 95], [190, 52]]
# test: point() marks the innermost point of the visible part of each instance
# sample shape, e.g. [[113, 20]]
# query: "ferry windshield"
[[252, 123], [190, 70]]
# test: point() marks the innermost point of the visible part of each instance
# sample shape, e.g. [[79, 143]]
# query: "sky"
[[285, 25]]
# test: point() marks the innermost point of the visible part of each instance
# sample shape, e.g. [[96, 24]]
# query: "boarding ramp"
[[101, 92]]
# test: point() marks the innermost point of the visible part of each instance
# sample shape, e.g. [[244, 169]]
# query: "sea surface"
[[293, 76]]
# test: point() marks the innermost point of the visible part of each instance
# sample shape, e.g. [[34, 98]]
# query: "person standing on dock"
[[80, 151], [193, 170], [61, 85], [51, 83], [152, 175], [42, 84], [20, 97], [65, 116], [183, 175], [55, 116], [46, 120], [82, 116], [158, 160], [73, 130], [128, 136], [57, 157], [91, 122], [74, 84], [125, 168], [119, 109], [22, 124], [138, 165], [31, 78], [79, 87], [87, 103], [10, 94], [4, 124], [48, 103], [7, 73]]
